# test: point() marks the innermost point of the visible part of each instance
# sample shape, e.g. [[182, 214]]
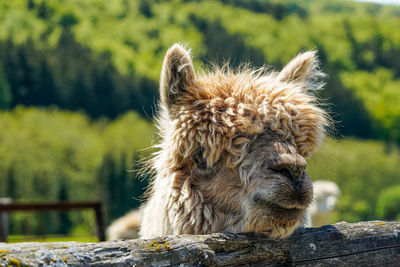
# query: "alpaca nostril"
[[294, 172], [298, 174]]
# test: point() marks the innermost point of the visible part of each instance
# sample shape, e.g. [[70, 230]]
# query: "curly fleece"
[[222, 110], [215, 117]]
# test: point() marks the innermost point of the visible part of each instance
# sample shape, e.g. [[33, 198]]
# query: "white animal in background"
[[326, 196], [126, 227]]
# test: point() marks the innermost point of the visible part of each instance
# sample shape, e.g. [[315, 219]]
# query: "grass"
[[52, 238]]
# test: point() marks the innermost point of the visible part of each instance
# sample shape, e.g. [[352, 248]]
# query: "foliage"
[[48, 154], [361, 169], [24, 238], [388, 205], [101, 59], [379, 90], [69, 76], [105, 57], [5, 92]]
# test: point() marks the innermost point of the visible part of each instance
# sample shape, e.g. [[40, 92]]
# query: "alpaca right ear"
[[305, 69], [176, 75]]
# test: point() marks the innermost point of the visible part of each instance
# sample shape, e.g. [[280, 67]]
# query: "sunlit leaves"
[[55, 145], [362, 169], [379, 91]]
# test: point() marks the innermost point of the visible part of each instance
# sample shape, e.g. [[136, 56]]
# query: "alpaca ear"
[[176, 75], [304, 69]]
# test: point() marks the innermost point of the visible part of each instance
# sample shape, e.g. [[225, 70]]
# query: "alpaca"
[[233, 144], [126, 227], [326, 194]]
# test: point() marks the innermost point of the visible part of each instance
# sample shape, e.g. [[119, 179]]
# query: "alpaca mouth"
[[282, 210], [276, 210], [283, 214]]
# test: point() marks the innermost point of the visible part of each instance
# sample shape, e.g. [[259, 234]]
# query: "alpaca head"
[[238, 140]]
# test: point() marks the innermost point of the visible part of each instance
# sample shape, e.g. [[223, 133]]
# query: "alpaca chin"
[[273, 213], [273, 222]]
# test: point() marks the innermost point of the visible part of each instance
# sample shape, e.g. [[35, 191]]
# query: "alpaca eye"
[[200, 162]]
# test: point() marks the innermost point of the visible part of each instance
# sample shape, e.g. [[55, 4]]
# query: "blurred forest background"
[[79, 83]]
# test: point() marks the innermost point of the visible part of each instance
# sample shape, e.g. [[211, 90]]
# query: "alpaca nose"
[[291, 167], [290, 171]]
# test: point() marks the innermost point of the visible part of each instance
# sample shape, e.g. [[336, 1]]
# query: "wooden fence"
[[7, 207]]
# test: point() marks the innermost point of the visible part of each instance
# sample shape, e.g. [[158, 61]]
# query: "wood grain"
[[342, 244]]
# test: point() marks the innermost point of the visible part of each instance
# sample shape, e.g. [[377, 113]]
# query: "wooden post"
[[100, 222], [4, 220]]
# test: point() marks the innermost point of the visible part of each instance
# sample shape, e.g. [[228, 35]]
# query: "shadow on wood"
[[342, 244]]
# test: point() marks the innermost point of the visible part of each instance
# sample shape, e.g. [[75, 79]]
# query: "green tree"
[[65, 224], [12, 186], [388, 206], [5, 91]]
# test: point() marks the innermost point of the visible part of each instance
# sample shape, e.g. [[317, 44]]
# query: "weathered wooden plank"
[[342, 244]]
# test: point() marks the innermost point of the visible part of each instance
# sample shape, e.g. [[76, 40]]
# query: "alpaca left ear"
[[176, 75], [304, 69]]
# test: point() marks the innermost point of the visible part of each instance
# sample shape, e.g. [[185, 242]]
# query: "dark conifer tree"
[[65, 222]]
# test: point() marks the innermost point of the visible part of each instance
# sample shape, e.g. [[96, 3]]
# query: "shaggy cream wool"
[[208, 123], [126, 227]]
